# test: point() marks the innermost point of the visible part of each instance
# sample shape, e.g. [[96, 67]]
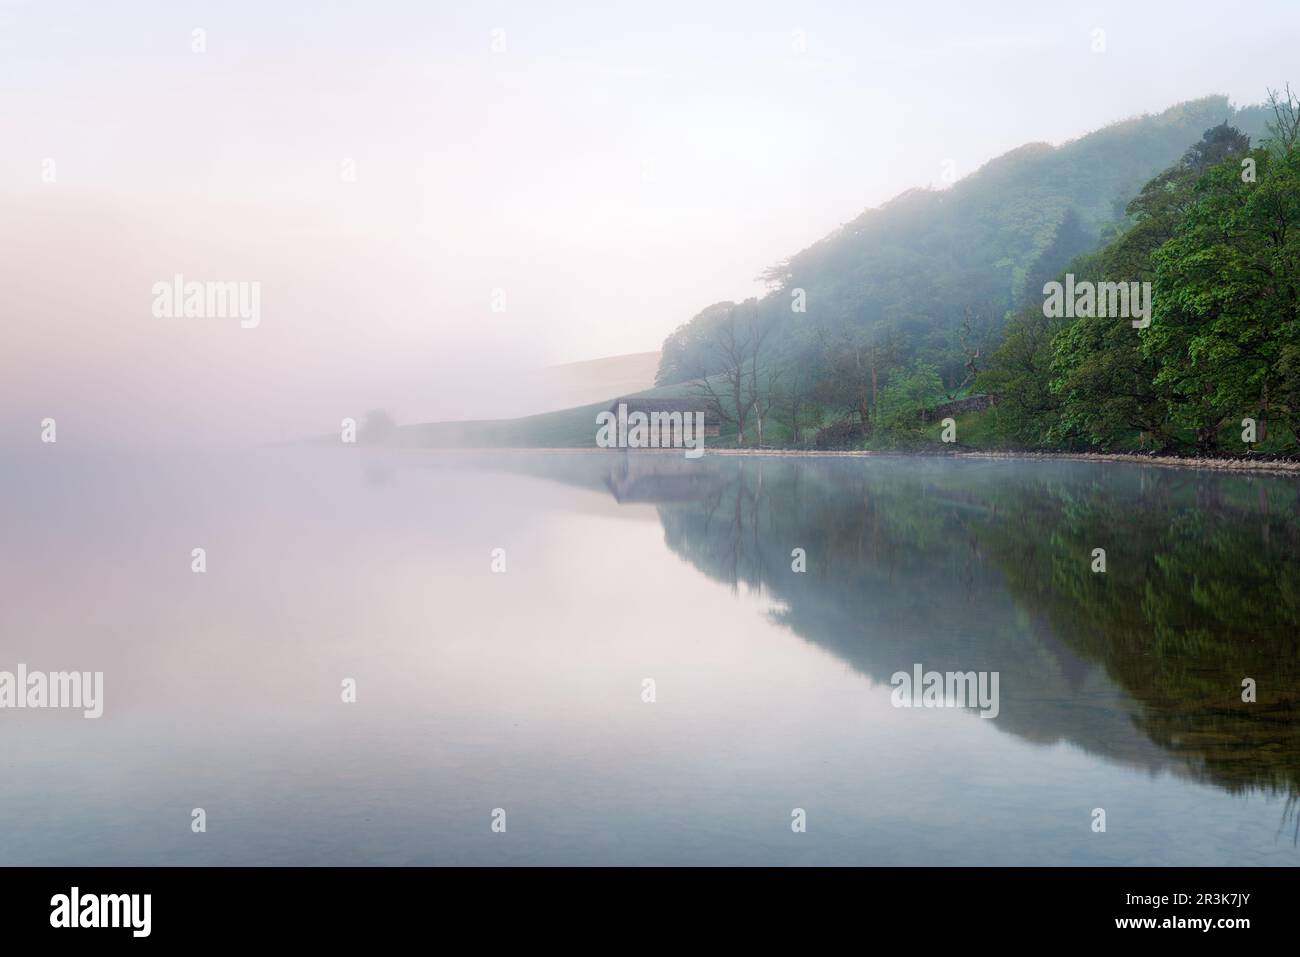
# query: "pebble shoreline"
[[1279, 466], [1259, 465]]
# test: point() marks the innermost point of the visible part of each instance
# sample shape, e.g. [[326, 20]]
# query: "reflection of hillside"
[[985, 566]]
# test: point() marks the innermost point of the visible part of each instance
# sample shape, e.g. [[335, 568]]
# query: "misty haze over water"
[[523, 690]]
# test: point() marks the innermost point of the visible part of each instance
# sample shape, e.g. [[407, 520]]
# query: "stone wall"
[[973, 403]]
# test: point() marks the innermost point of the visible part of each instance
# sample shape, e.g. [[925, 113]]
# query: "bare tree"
[[760, 398], [972, 345], [1286, 117], [763, 399], [729, 374], [793, 401], [728, 352], [853, 370]]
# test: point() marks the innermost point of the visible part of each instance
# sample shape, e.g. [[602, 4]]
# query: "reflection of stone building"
[[658, 479], [665, 415]]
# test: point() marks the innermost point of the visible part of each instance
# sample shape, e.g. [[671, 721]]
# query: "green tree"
[[1226, 326], [1109, 386]]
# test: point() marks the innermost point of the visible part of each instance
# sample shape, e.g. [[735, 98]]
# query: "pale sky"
[[616, 168]]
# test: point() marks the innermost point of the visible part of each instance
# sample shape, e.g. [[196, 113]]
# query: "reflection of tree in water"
[[986, 566], [1202, 590]]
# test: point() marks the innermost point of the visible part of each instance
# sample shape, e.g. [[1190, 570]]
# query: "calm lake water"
[[523, 690]]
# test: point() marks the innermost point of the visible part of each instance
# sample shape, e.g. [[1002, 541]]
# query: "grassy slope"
[[565, 428]]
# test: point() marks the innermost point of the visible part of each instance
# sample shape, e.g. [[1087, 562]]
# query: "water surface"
[[523, 690]]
